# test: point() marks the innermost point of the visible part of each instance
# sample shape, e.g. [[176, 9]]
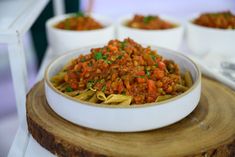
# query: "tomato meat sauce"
[[79, 22], [149, 23], [221, 20], [124, 67]]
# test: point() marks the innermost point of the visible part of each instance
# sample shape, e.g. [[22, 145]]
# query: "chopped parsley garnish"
[[156, 65], [108, 61], [98, 55], [120, 57], [68, 89], [79, 14], [153, 57], [140, 76], [147, 19], [83, 59], [147, 72], [123, 44], [103, 88], [90, 84], [102, 81], [105, 57], [90, 64]]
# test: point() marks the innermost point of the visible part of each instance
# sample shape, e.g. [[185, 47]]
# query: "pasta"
[[85, 95], [101, 96], [117, 98], [163, 97], [188, 79], [122, 73]]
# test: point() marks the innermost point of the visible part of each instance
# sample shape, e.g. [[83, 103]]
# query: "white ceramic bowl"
[[202, 40], [63, 40], [124, 119], [168, 38]]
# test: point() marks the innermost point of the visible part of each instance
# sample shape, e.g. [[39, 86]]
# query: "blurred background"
[[35, 42]]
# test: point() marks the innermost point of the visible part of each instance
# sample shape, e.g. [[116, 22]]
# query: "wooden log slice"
[[209, 131]]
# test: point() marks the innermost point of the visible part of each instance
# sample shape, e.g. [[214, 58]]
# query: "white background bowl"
[[120, 119], [63, 40], [202, 40], [168, 38]]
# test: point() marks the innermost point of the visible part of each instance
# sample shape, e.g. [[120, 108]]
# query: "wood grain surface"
[[209, 131]]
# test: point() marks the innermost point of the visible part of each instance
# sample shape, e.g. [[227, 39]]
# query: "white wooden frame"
[[13, 35]]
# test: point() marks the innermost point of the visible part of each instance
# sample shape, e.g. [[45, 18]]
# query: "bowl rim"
[[122, 20], [49, 84], [53, 20]]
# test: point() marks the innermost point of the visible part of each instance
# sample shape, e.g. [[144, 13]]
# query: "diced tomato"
[[161, 65], [150, 99], [83, 73], [158, 73], [66, 77], [141, 60], [77, 66], [127, 84], [108, 84], [120, 87], [151, 86], [72, 75], [159, 84], [140, 73], [140, 80], [113, 48], [169, 89], [84, 65], [138, 99], [114, 76], [74, 85]]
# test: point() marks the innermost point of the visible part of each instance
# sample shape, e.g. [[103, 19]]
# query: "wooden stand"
[[207, 132]]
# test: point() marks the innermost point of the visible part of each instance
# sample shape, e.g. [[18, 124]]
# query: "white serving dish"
[[202, 40], [64, 40], [124, 119], [168, 38]]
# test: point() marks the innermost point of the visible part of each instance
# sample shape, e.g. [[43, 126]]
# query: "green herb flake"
[[153, 57], [90, 84], [79, 14], [103, 88], [140, 76], [147, 72], [68, 89], [123, 44], [98, 56], [147, 19], [83, 59], [108, 62], [102, 81], [105, 57], [120, 57], [156, 65], [90, 64]]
